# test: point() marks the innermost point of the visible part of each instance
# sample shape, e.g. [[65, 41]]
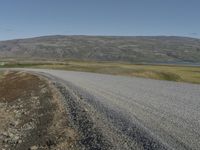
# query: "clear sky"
[[29, 18]]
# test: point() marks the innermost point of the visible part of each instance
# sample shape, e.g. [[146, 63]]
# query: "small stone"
[[6, 145], [33, 147], [16, 123], [5, 134], [11, 135], [20, 141], [16, 138]]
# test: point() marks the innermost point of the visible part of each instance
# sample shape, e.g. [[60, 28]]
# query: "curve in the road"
[[133, 113]]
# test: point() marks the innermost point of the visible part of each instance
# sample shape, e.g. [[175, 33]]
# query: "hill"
[[137, 49]]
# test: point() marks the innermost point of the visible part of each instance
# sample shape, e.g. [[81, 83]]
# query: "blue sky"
[[30, 18]]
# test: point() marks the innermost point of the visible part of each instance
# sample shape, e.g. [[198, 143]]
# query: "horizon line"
[[98, 35]]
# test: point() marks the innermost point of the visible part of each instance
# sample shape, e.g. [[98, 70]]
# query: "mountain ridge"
[[134, 49]]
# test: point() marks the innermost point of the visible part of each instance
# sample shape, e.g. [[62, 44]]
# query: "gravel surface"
[[133, 113]]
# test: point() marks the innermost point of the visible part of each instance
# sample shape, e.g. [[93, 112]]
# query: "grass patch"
[[1, 74], [160, 72]]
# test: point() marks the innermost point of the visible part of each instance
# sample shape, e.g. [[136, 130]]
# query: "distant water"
[[177, 63]]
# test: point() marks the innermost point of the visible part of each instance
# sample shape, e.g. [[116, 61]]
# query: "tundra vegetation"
[[31, 114], [179, 73]]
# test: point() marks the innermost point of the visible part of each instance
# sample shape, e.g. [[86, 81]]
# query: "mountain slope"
[[149, 49]]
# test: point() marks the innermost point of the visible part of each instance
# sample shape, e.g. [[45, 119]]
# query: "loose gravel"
[[133, 113]]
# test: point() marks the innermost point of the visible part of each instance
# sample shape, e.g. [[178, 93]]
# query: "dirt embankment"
[[31, 115]]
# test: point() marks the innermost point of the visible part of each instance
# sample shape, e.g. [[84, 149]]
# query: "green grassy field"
[[160, 72]]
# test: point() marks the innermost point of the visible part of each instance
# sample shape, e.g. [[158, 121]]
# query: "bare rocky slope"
[[147, 49]]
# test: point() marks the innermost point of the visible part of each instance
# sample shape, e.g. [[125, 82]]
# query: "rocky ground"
[[31, 115]]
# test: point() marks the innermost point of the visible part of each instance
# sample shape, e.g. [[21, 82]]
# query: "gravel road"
[[132, 113]]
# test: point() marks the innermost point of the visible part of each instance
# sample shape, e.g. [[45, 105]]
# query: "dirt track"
[[112, 112]]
